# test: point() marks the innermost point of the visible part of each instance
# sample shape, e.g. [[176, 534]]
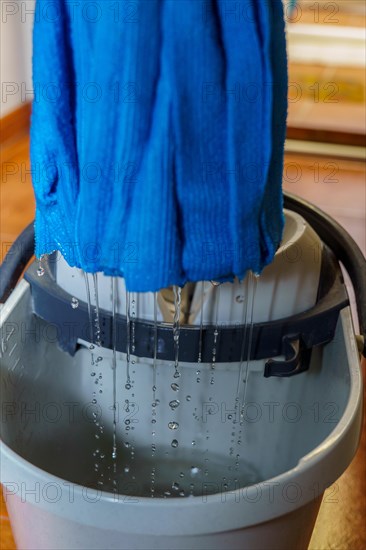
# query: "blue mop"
[[157, 137]]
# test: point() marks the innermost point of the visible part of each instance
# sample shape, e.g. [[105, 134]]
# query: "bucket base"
[[46, 531]]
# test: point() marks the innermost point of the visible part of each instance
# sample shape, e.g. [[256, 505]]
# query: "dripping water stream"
[[114, 370], [176, 327], [200, 342], [130, 347], [244, 368], [174, 403], [216, 292], [98, 341], [128, 342], [155, 343], [254, 284], [216, 298], [91, 331], [153, 412], [95, 340], [98, 379], [237, 407], [40, 270]]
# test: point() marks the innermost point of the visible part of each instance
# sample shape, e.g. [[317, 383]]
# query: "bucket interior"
[[47, 415]]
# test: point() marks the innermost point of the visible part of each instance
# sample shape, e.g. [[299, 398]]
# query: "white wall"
[[16, 23]]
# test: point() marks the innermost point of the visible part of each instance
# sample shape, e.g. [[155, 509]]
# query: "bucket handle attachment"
[[297, 359]]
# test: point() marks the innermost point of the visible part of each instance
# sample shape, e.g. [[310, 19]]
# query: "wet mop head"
[[157, 137]]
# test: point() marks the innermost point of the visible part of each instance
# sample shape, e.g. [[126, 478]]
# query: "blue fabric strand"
[[160, 160]]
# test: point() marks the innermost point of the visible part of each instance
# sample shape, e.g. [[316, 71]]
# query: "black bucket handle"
[[15, 261]]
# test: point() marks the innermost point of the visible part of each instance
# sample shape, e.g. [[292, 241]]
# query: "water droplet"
[[174, 386], [194, 470], [188, 398], [175, 443], [239, 299], [174, 404], [92, 374], [193, 443], [181, 474], [175, 486], [40, 271], [126, 469], [74, 303], [128, 386], [182, 494], [126, 444], [173, 425], [176, 374]]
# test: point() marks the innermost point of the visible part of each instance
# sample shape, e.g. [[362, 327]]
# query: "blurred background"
[[324, 163]]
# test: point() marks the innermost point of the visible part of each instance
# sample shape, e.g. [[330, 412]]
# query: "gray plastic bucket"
[[300, 435]]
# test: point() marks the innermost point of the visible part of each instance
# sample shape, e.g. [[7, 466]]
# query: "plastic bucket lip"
[[144, 515]]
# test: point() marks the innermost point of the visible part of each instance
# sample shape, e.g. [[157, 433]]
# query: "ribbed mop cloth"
[[157, 137]]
